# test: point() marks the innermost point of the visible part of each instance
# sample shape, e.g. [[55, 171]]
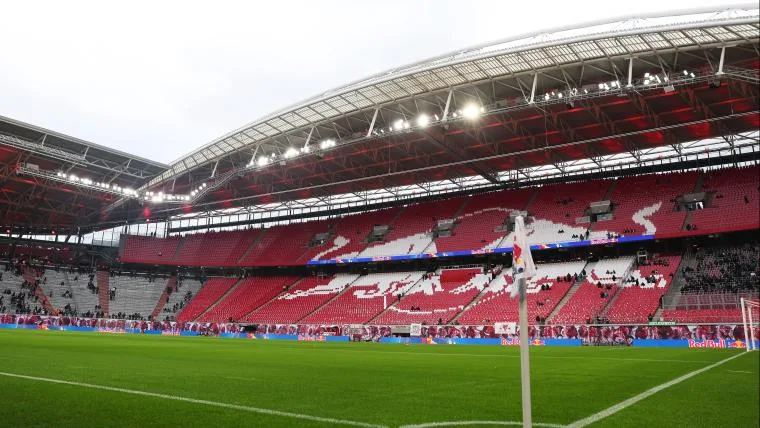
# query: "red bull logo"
[[707, 343], [537, 342], [510, 341], [739, 344]]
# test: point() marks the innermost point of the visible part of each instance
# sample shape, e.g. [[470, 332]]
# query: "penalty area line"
[[648, 393], [198, 401]]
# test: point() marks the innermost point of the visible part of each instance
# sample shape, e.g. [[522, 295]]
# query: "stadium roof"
[[501, 112], [31, 192]]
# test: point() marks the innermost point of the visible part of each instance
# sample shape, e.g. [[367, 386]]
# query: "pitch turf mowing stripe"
[[197, 401], [648, 393]]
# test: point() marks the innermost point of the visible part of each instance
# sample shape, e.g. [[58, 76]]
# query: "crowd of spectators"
[[727, 269]]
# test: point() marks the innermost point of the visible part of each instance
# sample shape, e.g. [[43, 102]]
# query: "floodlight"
[[291, 152], [471, 111], [262, 161], [423, 120], [398, 124]]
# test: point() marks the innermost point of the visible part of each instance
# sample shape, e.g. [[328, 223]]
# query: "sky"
[[159, 79]]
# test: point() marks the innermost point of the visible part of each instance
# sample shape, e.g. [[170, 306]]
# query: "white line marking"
[[533, 357], [468, 423], [739, 371], [635, 399], [198, 401]]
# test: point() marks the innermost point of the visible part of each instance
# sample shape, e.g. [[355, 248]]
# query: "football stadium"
[[363, 258]]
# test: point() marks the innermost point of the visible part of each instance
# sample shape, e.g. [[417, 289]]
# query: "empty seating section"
[[438, 298], [363, 299], [349, 235], [135, 294], [556, 208], [283, 245], [475, 227], [496, 305], [639, 295], [211, 291], [248, 295], [734, 202], [594, 292], [145, 249], [300, 300], [215, 248], [647, 203], [410, 233]]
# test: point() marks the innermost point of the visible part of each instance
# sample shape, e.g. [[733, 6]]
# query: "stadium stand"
[[639, 295], [282, 245], [647, 204], [350, 235], [249, 294], [735, 197], [301, 299], [364, 298], [595, 291], [214, 289], [727, 269], [477, 227], [544, 293], [228, 248], [148, 250], [436, 298], [134, 296], [185, 291]]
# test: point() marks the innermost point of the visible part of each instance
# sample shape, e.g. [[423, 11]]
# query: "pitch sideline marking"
[[739, 371], [467, 423], [198, 401], [635, 399]]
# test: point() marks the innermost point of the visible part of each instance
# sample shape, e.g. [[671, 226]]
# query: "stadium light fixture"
[[305, 149], [471, 111], [326, 144], [262, 161], [423, 120], [291, 152], [398, 124]]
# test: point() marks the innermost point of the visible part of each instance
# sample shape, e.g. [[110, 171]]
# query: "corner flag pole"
[[524, 356]]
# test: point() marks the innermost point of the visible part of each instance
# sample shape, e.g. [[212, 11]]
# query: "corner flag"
[[522, 260], [522, 269]]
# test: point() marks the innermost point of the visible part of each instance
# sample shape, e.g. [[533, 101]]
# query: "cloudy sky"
[[161, 78]]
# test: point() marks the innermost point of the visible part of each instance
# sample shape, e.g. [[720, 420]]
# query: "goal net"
[[750, 313]]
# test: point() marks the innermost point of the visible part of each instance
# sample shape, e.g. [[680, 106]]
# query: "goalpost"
[[750, 312]]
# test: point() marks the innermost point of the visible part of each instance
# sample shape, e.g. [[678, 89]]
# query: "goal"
[[750, 313]]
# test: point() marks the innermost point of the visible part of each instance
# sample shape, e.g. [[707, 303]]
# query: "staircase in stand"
[[29, 276], [573, 289], [261, 306], [697, 188], [102, 280], [216, 302], [177, 252], [170, 284], [616, 290], [674, 289], [252, 246], [476, 299], [403, 293], [609, 191], [330, 300]]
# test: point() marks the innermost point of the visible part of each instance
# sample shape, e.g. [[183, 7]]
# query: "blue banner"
[[536, 247]]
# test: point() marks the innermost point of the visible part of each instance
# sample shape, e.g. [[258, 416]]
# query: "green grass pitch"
[[362, 383]]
